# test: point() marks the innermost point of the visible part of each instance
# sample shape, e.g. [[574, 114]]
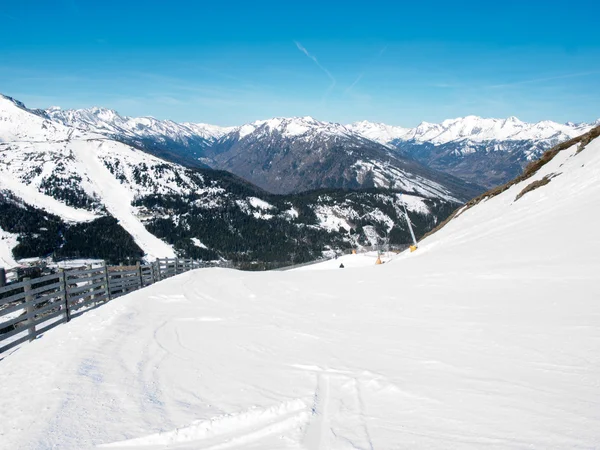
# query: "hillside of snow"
[[486, 336]]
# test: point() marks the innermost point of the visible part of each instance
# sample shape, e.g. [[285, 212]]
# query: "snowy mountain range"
[[481, 151], [484, 151], [281, 155], [178, 142], [56, 181], [473, 129]]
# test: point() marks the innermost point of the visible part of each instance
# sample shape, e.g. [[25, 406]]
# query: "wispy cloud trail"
[[349, 88], [362, 74], [541, 80], [331, 77]]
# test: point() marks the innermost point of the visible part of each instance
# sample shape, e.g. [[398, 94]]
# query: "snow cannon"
[[378, 260], [413, 248]]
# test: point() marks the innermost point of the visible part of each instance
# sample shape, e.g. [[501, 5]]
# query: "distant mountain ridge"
[[478, 150], [285, 155], [484, 151], [473, 129], [281, 155]]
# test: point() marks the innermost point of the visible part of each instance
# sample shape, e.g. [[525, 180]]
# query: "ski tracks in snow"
[[227, 431], [338, 415], [335, 419]]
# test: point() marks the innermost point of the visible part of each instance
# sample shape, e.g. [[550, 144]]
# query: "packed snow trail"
[[118, 198], [487, 336]]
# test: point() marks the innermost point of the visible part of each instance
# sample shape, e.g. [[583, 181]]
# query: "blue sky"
[[229, 63]]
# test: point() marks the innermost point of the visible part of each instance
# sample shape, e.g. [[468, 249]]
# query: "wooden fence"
[[33, 306]]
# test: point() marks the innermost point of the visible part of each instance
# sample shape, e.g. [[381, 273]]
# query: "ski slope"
[[487, 336], [117, 197]]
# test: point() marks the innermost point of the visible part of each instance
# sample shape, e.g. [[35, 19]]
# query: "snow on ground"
[[349, 261], [487, 336], [260, 204], [8, 241], [198, 243], [72, 263]]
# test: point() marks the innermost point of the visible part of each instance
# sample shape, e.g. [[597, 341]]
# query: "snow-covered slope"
[[487, 336], [182, 143], [18, 124], [78, 175]]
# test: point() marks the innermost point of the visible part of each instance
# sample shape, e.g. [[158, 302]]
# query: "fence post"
[[2, 277], [29, 309], [157, 270], [107, 282], [63, 281], [92, 296], [138, 267]]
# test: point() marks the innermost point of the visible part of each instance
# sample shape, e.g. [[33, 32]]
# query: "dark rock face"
[[488, 164], [325, 156]]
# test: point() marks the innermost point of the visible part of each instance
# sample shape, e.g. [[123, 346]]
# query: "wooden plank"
[[121, 273], [18, 330], [13, 343], [124, 290], [36, 291], [47, 317], [36, 301], [97, 292], [29, 315], [12, 298], [49, 327], [117, 281], [122, 287], [77, 306], [55, 305], [87, 287], [45, 278], [10, 322], [120, 284], [92, 278], [12, 287], [21, 284], [80, 273]]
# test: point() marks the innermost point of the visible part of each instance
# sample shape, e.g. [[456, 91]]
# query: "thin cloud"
[[349, 88], [331, 77], [362, 74], [541, 80]]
